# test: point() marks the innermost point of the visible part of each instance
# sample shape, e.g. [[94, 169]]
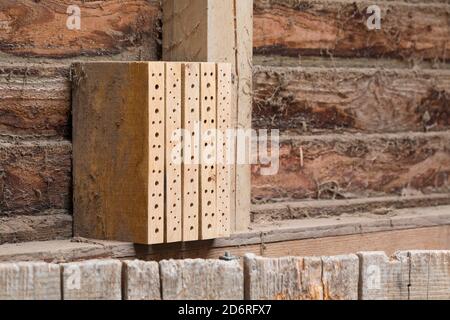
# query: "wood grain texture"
[[338, 28], [110, 123], [140, 280], [383, 278], [92, 280], [321, 100], [389, 236], [301, 278], [305, 210], [126, 29], [34, 99], [353, 166], [217, 31], [30, 281], [197, 279], [35, 175], [429, 275], [48, 225]]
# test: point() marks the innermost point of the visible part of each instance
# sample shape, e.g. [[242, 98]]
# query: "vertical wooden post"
[[218, 31]]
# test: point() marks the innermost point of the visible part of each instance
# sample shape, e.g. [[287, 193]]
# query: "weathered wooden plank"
[[30, 281], [34, 99], [340, 277], [126, 29], [92, 280], [343, 236], [382, 278], [208, 167], [173, 191], [357, 166], [298, 278], [244, 87], [350, 99], [34, 175], [285, 210], [191, 125], [111, 132], [338, 28], [48, 225], [141, 280], [201, 280], [429, 276]]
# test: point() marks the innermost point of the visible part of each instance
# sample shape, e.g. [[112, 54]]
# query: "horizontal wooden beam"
[[48, 225], [338, 28], [356, 166], [126, 29], [320, 100], [420, 228], [285, 210]]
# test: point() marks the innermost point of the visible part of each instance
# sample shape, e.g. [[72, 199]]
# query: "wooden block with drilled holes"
[[173, 148], [225, 148], [191, 118], [129, 181], [208, 216]]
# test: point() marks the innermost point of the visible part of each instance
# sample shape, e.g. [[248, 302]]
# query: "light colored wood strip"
[[30, 281], [225, 143], [197, 279], [191, 126], [173, 194], [382, 278], [156, 152], [244, 55], [208, 98], [140, 280], [92, 280]]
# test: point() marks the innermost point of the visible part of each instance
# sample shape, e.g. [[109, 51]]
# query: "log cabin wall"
[[364, 114], [36, 51]]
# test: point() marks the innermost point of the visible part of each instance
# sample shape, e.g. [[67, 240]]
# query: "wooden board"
[[225, 147], [243, 72], [201, 280], [301, 278], [46, 225], [92, 280], [112, 152], [156, 139], [173, 149], [125, 29], [322, 100], [140, 280], [309, 242], [357, 166], [191, 124], [34, 99], [286, 210], [338, 28], [208, 174], [30, 281]]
